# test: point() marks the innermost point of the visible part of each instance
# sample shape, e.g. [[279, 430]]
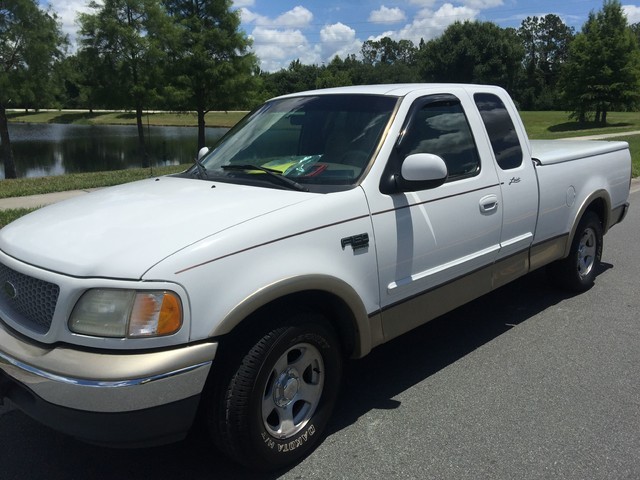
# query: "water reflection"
[[55, 149]]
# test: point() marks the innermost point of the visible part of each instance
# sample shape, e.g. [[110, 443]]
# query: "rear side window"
[[502, 132]]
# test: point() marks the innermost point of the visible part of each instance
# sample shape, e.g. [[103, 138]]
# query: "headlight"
[[126, 313]]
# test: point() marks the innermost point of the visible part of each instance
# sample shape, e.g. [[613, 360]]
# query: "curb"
[[36, 201]]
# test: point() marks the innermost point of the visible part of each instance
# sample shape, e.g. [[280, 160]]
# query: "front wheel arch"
[[334, 298]]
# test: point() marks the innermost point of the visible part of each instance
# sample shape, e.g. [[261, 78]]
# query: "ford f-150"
[[322, 225]]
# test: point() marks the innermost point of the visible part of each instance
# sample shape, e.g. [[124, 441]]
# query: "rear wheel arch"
[[600, 204], [577, 271]]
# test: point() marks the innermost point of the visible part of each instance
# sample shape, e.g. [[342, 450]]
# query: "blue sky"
[[314, 31]]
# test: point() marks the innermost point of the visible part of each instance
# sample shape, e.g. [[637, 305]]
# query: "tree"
[[635, 29], [334, 75], [30, 43], [473, 52], [603, 69], [390, 61], [122, 49], [388, 51], [546, 47], [210, 60]]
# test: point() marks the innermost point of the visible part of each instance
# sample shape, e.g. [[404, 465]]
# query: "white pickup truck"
[[324, 224]]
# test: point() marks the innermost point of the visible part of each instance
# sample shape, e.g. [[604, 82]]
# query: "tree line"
[[192, 55]]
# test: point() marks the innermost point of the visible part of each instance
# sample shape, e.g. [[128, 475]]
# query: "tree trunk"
[[142, 151], [604, 117], [201, 125], [582, 118], [7, 153]]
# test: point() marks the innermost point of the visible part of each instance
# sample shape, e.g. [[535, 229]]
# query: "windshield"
[[322, 143]]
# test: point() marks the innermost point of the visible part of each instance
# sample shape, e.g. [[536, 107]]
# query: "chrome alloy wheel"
[[587, 249], [293, 390]]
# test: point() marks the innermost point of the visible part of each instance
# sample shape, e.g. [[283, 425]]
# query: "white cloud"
[[297, 17], [277, 48], [278, 41], [482, 4], [387, 15], [243, 3], [428, 24], [338, 39], [67, 11], [632, 12], [247, 16], [423, 3]]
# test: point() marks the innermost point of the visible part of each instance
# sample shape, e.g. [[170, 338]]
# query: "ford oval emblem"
[[10, 290]]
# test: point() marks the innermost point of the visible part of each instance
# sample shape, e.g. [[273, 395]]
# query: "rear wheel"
[[273, 407], [578, 271]]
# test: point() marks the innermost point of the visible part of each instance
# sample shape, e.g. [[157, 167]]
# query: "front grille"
[[30, 301]]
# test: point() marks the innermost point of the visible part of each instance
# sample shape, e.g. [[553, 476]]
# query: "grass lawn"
[[543, 125], [634, 146], [80, 181], [539, 125], [8, 216], [177, 119]]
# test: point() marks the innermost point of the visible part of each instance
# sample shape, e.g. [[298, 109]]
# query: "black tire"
[[273, 407], [578, 271]]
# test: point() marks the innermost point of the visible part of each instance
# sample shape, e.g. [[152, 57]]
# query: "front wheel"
[[277, 402], [578, 271]]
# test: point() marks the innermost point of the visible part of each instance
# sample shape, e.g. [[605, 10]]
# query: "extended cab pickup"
[[324, 224]]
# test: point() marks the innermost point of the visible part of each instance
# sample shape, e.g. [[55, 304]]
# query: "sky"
[[315, 31]]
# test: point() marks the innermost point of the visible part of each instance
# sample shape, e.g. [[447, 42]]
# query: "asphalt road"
[[525, 383]]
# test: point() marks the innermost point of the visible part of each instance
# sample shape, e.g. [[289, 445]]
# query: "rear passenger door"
[[518, 185], [445, 236]]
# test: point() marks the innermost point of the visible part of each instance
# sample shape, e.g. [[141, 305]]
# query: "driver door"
[[435, 247]]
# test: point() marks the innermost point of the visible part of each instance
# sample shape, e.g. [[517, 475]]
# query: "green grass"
[[178, 119], [553, 125], [8, 216], [539, 125], [80, 181], [549, 125], [634, 147]]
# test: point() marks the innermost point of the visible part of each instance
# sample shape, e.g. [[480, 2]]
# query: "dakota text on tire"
[[276, 403]]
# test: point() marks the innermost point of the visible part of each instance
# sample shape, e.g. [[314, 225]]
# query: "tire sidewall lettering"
[[304, 441], [291, 444]]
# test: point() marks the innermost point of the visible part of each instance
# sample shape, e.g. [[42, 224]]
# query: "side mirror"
[[421, 171], [202, 152]]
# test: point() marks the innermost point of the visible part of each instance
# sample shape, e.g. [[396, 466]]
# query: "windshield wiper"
[[271, 173], [201, 170]]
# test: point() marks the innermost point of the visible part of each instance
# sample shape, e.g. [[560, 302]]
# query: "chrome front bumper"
[[105, 382]]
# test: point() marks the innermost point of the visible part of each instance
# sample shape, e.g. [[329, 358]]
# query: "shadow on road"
[[32, 451]]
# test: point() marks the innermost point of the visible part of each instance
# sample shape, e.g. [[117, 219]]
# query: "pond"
[[55, 149]]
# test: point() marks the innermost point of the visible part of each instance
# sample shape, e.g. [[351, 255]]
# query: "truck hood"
[[121, 232]]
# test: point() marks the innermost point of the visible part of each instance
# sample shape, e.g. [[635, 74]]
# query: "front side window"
[[502, 132], [321, 142], [441, 128]]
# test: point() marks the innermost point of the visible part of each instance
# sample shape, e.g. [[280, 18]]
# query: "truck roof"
[[392, 90]]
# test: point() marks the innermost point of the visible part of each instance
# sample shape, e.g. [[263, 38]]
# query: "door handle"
[[489, 203]]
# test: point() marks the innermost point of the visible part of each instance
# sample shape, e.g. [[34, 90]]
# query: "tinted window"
[[320, 141], [442, 129], [502, 133]]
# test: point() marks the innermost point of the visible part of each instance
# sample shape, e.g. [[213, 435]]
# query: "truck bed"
[[548, 152]]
